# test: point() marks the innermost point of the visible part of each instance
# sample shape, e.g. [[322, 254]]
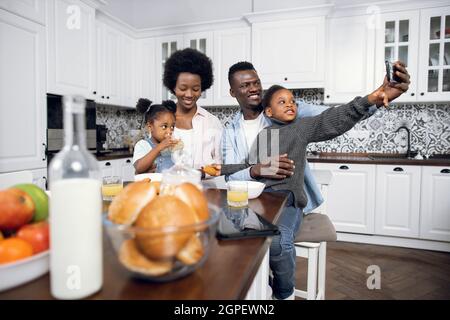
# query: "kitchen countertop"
[[363, 158], [114, 154], [227, 273]]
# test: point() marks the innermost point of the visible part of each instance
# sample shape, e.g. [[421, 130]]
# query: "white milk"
[[76, 256]]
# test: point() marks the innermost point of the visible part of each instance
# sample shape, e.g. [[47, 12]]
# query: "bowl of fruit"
[[161, 234], [24, 235]]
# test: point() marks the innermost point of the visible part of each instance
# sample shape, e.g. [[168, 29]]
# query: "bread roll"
[[126, 206], [192, 252], [163, 211], [195, 198], [135, 261]]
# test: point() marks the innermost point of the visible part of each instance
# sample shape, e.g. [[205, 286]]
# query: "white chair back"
[[323, 179], [11, 178]]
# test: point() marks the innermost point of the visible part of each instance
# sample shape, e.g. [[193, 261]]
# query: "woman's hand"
[[389, 91]]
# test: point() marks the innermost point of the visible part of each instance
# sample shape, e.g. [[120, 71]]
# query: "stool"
[[311, 243]]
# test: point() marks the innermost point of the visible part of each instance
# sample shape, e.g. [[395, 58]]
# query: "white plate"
[[22, 271], [152, 176], [255, 188]]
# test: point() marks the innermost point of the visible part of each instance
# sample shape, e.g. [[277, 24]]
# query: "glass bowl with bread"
[[161, 236]]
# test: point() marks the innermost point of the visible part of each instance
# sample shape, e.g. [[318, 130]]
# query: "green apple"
[[40, 200]]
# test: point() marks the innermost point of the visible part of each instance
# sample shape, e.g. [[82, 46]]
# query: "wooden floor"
[[405, 273]]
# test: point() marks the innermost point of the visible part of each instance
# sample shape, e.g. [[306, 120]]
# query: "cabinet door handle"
[[285, 79], [103, 97], [398, 169], [422, 93], [45, 152], [94, 92], [45, 182], [128, 161], [328, 96], [445, 171], [412, 94], [108, 164], [343, 167], [107, 97]]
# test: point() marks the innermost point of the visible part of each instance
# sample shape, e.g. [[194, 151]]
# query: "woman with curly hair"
[[188, 73]]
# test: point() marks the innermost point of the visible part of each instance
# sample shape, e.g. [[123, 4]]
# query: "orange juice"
[[111, 190], [237, 198]]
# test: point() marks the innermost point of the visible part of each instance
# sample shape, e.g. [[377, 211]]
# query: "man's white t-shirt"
[[141, 149], [252, 128]]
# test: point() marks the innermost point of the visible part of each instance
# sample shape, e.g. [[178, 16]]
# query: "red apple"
[[36, 234], [16, 209]]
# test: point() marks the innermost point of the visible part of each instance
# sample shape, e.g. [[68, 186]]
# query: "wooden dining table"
[[227, 274]]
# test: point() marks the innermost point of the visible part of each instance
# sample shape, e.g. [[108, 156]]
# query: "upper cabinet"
[[434, 55], [350, 59], [109, 63], [71, 48], [203, 42], [165, 46], [22, 94], [290, 53], [230, 46], [146, 69], [31, 9], [398, 39]]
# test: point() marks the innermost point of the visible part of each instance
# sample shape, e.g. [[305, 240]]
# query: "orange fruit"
[[13, 249]]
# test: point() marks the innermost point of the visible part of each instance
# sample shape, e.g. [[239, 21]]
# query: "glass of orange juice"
[[237, 194], [112, 185]]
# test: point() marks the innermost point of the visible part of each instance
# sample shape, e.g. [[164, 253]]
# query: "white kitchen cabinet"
[[146, 69], [230, 46], [126, 169], [203, 42], [350, 58], [109, 75], [435, 204], [29, 9], [128, 81], [397, 200], [118, 167], [290, 53], [351, 197], [107, 168], [22, 93], [40, 178], [398, 39], [165, 46], [434, 55], [70, 48]]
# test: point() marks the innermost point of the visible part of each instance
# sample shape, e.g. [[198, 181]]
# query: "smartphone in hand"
[[390, 72]]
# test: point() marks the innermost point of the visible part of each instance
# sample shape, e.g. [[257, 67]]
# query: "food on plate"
[[16, 209], [164, 211], [126, 206], [13, 249], [192, 196], [134, 260], [192, 252], [40, 200], [36, 234]]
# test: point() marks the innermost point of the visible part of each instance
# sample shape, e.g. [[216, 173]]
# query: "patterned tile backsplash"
[[429, 124]]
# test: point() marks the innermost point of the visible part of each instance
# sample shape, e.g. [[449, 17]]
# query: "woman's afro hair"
[[188, 60]]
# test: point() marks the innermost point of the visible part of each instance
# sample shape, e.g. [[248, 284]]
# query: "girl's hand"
[[168, 142], [212, 169], [390, 91]]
